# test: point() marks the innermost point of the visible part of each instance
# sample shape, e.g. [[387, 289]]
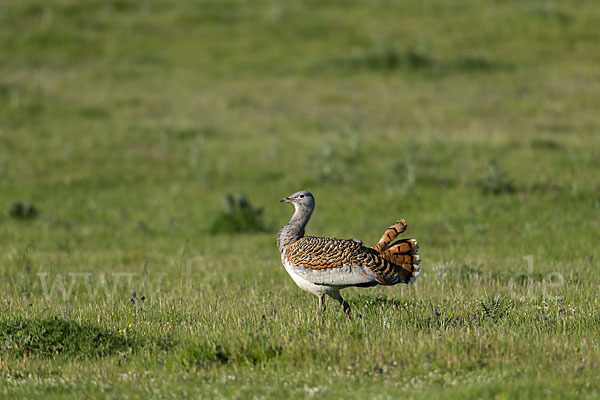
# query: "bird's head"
[[301, 200]]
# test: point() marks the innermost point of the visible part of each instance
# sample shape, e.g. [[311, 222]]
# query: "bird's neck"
[[294, 229], [301, 217]]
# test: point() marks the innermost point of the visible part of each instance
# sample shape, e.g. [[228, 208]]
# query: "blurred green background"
[[125, 124]]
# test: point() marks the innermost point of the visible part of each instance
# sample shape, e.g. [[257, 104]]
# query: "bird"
[[323, 265]]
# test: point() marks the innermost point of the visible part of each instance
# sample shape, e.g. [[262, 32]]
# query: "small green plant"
[[495, 308], [204, 353], [240, 216], [419, 55], [495, 181], [545, 144], [385, 59], [23, 211], [549, 11], [473, 62]]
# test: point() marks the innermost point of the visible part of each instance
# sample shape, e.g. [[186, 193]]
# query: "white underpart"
[[328, 280]]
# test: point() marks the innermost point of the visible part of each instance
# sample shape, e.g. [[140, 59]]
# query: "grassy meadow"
[[125, 126]]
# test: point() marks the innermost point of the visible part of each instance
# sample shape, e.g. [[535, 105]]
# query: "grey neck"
[[294, 230]]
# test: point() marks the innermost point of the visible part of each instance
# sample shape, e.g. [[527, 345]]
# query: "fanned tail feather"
[[402, 253], [389, 235]]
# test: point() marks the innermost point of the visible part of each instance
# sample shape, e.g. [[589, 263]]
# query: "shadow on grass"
[[251, 349], [377, 301], [389, 59], [51, 337]]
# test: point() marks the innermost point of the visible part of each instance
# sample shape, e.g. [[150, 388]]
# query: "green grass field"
[[124, 125]]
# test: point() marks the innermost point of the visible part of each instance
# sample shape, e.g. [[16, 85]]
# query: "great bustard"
[[323, 266]]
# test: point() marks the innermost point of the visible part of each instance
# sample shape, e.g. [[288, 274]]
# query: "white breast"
[[303, 283]]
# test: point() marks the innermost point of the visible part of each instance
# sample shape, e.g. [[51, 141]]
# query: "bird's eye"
[[301, 196]]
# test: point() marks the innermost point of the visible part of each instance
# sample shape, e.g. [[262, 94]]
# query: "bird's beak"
[[285, 200]]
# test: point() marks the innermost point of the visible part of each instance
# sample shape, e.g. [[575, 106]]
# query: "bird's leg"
[[344, 303], [347, 309], [321, 307]]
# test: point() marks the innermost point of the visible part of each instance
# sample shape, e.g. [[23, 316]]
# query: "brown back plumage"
[[391, 264]]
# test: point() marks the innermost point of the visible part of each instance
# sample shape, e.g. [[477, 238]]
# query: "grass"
[[124, 125]]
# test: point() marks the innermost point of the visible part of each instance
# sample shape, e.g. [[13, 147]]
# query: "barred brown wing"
[[332, 261]]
